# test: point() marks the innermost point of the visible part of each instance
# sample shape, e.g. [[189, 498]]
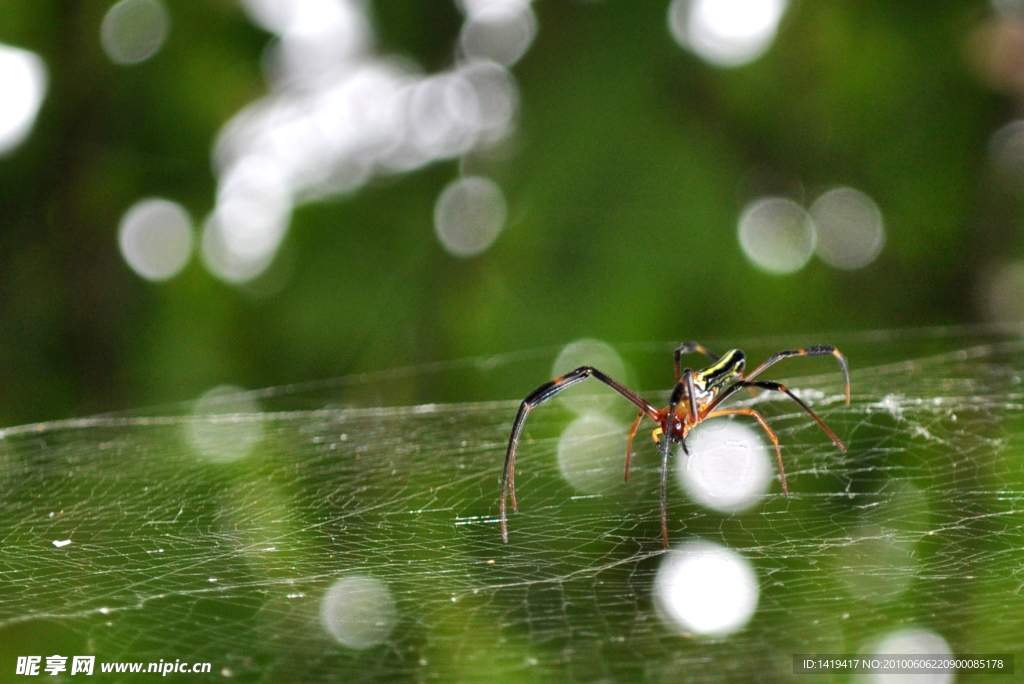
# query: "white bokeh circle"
[[225, 425], [777, 235], [705, 589], [590, 395], [469, 215], [155, 237], [726, 33], [134, 30], [730, 466], [910, 641], [358, 612], [591, 453], [23, 84], [849, 227]]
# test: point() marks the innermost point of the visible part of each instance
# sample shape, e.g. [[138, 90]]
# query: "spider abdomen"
[[723, 371]]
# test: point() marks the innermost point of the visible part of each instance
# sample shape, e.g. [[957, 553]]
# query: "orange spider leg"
[[768, 430], [629, 444]]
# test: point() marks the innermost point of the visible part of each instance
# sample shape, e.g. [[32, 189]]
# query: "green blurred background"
[[625, 168]]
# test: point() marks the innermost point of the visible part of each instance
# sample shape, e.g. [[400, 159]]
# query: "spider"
[[695, 398]]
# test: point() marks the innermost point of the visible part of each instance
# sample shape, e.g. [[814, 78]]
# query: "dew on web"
[[297, 537]]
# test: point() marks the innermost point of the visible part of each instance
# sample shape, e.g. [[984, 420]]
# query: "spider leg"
[[684, 387], [691, 348], [768, 431], [539, 396], [807, 351], [692, 391], [726, 393], [665, 451], [776, 387], [666, 442], [710, 412], [629, 444]]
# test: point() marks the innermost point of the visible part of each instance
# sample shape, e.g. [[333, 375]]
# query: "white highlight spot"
[[591, 396], [501, 32], [22, 87], [469, 215], [134, 30], [726, 33], [730, 466], [225, 425], [444, 114], [912, 641], [155, 237], [61, 543], [254, 206], [591, 454], [706, 589], [316, 35], [849, 227], [358, 611], [497, 98], [777, 235]]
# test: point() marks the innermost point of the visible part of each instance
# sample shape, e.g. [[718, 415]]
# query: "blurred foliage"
[[629, 167]]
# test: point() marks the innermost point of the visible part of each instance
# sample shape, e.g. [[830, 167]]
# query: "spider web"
[[120, 539]]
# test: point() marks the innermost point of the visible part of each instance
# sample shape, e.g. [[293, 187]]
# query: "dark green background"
[[633, 160]]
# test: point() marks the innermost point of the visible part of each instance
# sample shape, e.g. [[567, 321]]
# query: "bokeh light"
[[591, 454], [225, 426], [358, 612], [499, 31], [729, 467], [726, 33], [254, 206], [443, 112], [317, 36], [155, 237], [1007, 150], [134, 30], [22, 88], [705, 589], [910, 641], [850, 231], [1001, 293], [590, 396], [497, 99], [337, 115], [469, 215], [996, 49], [777, 234], [1010, 8], [876, 565]]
